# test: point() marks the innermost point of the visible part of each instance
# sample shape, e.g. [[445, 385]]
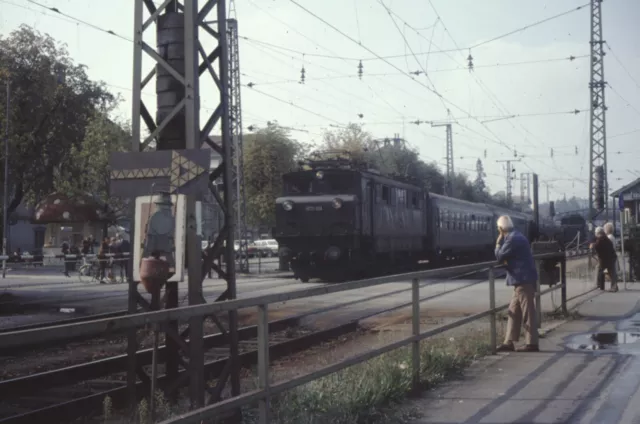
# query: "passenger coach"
[[340, 219]]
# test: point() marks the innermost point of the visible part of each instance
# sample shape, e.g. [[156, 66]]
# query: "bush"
[[366, 393]]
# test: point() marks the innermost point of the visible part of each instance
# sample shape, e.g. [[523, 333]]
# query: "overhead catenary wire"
[[617, 59], [483, 86], [73, 18], [66, 16]]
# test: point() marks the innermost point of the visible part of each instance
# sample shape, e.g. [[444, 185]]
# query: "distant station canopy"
[[61, 208]]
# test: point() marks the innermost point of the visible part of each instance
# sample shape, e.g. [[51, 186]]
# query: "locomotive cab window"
[[414, 199]]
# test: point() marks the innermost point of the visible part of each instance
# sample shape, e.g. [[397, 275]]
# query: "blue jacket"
[[514, 249]]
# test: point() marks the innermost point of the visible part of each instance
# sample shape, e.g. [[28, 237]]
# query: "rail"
[[266, 391]]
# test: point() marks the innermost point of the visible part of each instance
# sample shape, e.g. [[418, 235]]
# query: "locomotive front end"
[[317, 223]]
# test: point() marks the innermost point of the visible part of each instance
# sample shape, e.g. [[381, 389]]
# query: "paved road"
[[42, 300], [573, 380]]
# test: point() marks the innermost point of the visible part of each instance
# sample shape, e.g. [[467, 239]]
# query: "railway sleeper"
[[22, 386], [88, 405]]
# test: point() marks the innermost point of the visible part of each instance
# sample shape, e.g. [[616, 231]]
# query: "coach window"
[[385, 194]]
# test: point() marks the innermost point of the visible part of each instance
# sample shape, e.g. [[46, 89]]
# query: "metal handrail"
[[266, 390], [102, 326]]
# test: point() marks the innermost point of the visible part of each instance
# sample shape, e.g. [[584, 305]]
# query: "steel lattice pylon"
[[598, 135], [236, 133], [180, 64]]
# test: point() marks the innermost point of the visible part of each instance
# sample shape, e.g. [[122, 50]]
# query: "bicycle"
[[89, 269]]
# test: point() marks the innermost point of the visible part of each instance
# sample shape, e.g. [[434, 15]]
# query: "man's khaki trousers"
[[522, 310]]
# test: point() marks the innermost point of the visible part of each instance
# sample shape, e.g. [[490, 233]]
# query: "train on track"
[[340, 219]]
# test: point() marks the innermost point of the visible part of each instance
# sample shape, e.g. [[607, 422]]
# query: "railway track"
[[65, 393], [79, 390], [62, 395]]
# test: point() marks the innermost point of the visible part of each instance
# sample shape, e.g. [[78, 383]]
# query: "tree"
[[52, 103], [479, 185], [87, 166], [268, 155], [351, 138]]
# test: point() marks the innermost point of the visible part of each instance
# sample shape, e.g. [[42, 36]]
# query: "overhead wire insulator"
[[576, 150], [360, 68], [485, 153], [302, 75], [470, 60], [552, 152]]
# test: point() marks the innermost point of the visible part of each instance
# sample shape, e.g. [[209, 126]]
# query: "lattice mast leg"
[[180, 62], [238, 151], [598, 186]]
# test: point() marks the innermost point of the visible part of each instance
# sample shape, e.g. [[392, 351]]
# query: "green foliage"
[[479, 185], [267, 155], [52, 102], [87, 166], [367, 392]]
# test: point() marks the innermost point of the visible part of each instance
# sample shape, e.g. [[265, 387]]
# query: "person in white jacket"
[[608, 230]]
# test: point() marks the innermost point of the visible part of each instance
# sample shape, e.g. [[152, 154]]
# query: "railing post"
[[563, 287], [492, 306], [415, 324], [538, 297], [263, 362]]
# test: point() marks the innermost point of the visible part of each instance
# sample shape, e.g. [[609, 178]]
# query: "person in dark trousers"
[[124, 248], [65, 251], [513, 249], [607, 259], [104, 259]]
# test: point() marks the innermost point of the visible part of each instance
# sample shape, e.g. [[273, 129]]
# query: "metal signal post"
[[180, 62], [450, 170]]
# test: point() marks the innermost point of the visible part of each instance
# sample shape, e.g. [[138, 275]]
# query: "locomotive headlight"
[[287, 205], [336, 203], [319, 175]]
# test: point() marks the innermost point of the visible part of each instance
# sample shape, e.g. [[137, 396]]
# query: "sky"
[[526, 73]]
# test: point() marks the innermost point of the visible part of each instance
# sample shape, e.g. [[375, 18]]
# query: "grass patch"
[[371, 392]]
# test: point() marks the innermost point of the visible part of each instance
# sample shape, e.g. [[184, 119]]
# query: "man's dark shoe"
[[506, 347], [528, 348]]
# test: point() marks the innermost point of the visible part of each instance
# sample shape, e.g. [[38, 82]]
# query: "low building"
[[24, 235], [70, 219], [629, 198]]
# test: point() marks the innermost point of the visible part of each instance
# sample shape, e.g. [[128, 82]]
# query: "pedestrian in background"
[[607, 259], [513, 250]]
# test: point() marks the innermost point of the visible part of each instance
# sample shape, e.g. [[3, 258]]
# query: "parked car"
[[268, 247], [251, 248]]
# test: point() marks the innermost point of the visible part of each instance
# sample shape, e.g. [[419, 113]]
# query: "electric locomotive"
[[338, 219]]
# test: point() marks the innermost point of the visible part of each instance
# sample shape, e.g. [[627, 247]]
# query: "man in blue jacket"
[[513, 250]]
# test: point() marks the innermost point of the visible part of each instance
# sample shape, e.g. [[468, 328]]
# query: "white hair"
[[599, 231], [608, 228], [505, 223]]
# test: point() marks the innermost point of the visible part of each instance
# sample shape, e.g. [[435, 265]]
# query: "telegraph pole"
[[5, 202], [525, 190], [509, 175], [598, 187], [450, 170]]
